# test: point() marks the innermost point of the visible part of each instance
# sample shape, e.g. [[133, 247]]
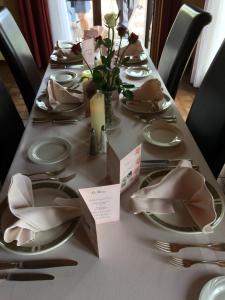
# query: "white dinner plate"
[[65, 44], [162, 134], [138, 71], [64, 76], [43, 104], [145, 107], [64, 59], [44, 195], [49, 151], [214, 289], [181, 220], [136, 59]]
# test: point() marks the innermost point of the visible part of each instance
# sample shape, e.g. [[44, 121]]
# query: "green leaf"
[[128, 86], [128, 94], [107, 43], [116, 71]]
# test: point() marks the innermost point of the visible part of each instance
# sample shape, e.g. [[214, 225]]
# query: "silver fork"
[[60, 179], [48, 173], [175, 247], [186, 263]]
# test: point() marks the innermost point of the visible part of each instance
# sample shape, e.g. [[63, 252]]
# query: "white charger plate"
[[146, 108], [180, 222], [65, 44], [162, 134], [138, 71], [44, 195], [214, 289], [64, 76], [49, 151]]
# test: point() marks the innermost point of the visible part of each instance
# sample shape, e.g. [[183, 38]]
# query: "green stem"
[[118, 51]]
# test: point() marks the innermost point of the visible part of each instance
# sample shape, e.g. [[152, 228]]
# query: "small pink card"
[[100, 205], [88, 51], [126, 170]]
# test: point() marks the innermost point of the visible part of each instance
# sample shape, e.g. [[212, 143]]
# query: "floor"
[[184, 100]]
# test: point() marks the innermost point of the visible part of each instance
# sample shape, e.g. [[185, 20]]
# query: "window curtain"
[[210, 40], [59, 20], [36, 29]]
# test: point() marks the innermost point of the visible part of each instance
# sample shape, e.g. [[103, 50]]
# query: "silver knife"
[[37, 264], [164, 161], [26, 276]]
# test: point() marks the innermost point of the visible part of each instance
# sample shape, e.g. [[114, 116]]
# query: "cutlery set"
[[34, 264], [149, 165], [186, 263], [168, 119], [54, 121], [50, 175]]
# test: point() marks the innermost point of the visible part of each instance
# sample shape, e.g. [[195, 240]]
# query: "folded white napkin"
[[29, 219], [133, 49], [182, 184], [57, 94]]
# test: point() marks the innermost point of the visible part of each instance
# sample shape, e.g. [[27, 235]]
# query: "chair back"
[[19, 58], [180, 43], [11, 131], [206, 119]]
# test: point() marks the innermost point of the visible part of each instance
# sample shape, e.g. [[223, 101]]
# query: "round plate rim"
[[53, 111], [63, 141], [163, 145], [72, 73], [138, 67], [151, 217], [13, 248], [209, 285], [166, 100]]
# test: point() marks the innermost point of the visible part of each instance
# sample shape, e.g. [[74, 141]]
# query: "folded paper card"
[[93, 32], [88, 51], [57, 94], [123, 170], [99, 205], [30, 219], [182, 184]]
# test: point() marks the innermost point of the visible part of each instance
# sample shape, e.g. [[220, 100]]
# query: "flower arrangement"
[[106, 76]]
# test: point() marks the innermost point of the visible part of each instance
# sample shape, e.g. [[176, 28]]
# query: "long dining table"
[[129, 266]]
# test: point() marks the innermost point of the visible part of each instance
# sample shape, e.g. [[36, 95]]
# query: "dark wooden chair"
[[206, 119], [19, 58], [180, 42], [11, 131]]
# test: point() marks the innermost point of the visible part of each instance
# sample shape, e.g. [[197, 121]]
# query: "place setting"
[[63, 94]]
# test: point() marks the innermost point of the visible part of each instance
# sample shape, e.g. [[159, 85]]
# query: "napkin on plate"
[[29, 219], [133, 49], [57, 94], [182, 184]]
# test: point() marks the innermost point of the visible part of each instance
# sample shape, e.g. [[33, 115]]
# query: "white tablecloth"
[[129, 267]]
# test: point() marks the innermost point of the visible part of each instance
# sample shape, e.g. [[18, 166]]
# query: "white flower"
[[111, 19]]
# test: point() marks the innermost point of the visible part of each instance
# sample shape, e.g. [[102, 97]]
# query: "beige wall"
[[12, 5]]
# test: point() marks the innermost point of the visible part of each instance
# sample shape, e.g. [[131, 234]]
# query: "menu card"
[[88, 51], [99, 205], [126, 170]]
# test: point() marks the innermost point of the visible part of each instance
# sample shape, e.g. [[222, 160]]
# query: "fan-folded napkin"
[[133, 49], [30, 219], [183, 184], [58, 94]]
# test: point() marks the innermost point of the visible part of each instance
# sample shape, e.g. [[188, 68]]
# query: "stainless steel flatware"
[[168, 118], [54, 121], [175, 247], [48, 173], [26, 276], [164, 161], [37, 264], [60, 179], [145, 169], [186, 263]]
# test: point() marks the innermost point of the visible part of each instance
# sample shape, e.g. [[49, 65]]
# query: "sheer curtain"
[[210, 41], [59, 20]]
